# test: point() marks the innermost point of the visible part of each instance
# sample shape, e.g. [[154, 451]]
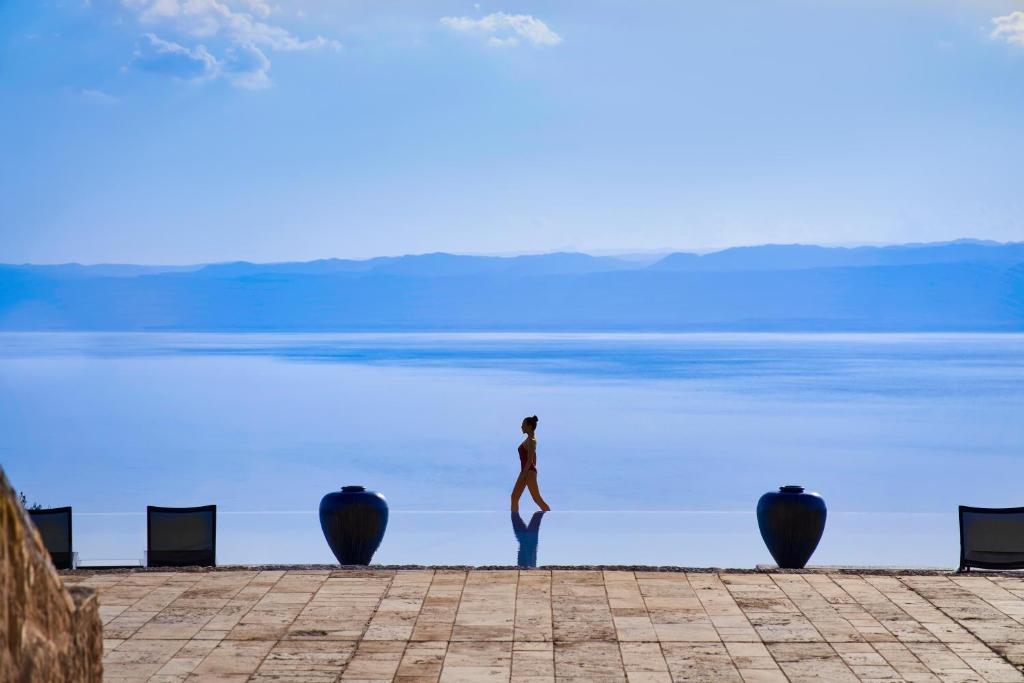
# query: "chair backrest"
[[54, 525], [181, 537], [991, 538]]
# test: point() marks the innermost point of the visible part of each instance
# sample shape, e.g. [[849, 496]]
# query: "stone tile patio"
[[558, 625]]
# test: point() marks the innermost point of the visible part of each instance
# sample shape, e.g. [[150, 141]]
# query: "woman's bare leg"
[[517, 491], [531, 483]]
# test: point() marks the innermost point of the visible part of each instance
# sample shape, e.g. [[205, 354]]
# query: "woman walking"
[[528, 467]]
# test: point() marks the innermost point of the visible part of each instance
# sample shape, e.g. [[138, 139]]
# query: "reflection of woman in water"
[[528, 467], [528, 537]]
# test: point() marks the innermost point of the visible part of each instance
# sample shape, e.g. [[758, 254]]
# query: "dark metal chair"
[[991, 538], [54, 525], [181, 537]]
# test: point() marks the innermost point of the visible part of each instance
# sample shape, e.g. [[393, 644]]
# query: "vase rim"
[[791, 488], [353, 489]]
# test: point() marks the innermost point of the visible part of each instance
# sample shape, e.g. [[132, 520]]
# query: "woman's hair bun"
[[535, 419]]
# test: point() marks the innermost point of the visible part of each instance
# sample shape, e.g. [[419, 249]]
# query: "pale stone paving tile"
[[177, 623], [731, 624], [1012, 652], [119, 614], [422, 661], [987, 663], [374, 660], [969, 610], [235, 657], [629, 613], [754, 661], [579, 607], [648, 677], [710, 662], [109, 612], [1014, 585], [773, 615], [124, 595], [784, 628], [676, 612], [533, 661], [127, 624], [217, 678], [811, 662], [305, 660], [187, 658], [139, 659], [988, 649], [477, 661], [437, 615], [214, 590], [642, 658], [223, 624], [533, 611], [865, 661], [98, 581], [342, 607], [487, 608], [905, 662], [161, 597], [226, 623], [265, 622], [763, 676], [228, 616], [924, 615], [824, 617], [110, 644], [894, 612], [584, 662], [397, 612], [302, 581], [996, 594], [943, 662]]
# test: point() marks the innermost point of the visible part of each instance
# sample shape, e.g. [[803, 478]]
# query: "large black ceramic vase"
[[791, 523], [354, 520]]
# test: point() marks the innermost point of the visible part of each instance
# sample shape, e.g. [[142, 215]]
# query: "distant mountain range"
[[965, 285]]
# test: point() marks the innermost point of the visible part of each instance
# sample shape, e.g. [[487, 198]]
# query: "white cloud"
[[505, 30], [161, 56], [246, 66], [495, 41], [259, 7], [237, 30], [1009, 28], [208, 18]]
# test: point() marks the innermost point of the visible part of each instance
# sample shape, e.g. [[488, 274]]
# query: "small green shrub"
[[24, 503]]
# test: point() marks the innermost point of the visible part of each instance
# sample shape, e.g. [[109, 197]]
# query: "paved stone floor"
[[539, 625]]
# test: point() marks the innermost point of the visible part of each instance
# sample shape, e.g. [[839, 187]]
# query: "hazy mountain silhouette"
[[964, 285], [431, 265], [798, 256], [77, 270]]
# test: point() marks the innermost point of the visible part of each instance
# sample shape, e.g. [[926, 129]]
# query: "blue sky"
[[176, 131]]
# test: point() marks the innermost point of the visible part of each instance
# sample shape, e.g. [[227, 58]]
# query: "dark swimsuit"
[[524, 457]]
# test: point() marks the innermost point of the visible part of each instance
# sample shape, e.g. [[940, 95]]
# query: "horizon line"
[[624, 253]]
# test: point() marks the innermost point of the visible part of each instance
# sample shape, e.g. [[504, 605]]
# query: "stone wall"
[[47, 632]]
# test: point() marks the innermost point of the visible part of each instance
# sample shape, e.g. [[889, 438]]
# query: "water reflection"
[[528, 536]]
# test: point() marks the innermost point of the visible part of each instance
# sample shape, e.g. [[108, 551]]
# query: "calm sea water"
[[653, 449]]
